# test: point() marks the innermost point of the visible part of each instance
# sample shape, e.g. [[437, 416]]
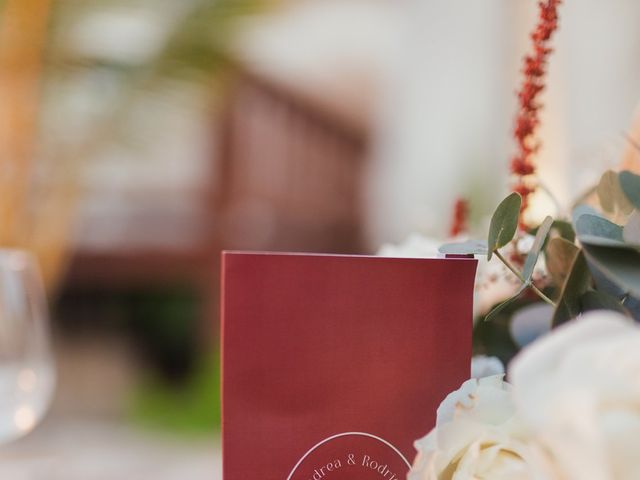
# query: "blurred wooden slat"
[[292, 171]]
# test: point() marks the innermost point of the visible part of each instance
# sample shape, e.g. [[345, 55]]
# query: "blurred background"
[[139, 138]]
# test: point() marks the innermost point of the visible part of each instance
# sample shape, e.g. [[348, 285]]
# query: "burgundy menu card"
[[332, 365]]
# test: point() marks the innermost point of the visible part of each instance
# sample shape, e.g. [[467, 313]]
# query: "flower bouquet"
[[571, 409]]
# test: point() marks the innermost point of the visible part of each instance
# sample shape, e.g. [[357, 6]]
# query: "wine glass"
[[27, 373]]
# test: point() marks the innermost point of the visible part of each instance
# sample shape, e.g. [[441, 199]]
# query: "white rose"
[[477, 436], [485, 366], [578, 388]]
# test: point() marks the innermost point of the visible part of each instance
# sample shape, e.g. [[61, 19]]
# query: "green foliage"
[[564, 229], [578, 282], [620, 265], [583, 210], [560, 228], [494, 337], [534, 253], [631, 231], [194, 57], [595, 230], [180, 395], [194, 409], [200, 45], [609, 247], [593, 262], [609, 251], [630, 184], [596, 300], [496, 310], [560, 254], [611, 196], [504, 223], [529, 266]]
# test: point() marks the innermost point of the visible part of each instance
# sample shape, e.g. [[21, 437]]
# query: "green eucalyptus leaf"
[[583, 210], [470, 247], [610, 194], [630, 184], [596, 230], [562, 228], [621, 266], [631, 231], [494, 337], [578, 282], [559, 257], [595, 300], [501, 306], [632, 305], [604, 284], [602, 241], [534, 253], [504, 223], [605, 190]]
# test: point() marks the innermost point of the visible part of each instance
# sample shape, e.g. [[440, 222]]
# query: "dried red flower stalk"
[[460, 218], [527, 119]]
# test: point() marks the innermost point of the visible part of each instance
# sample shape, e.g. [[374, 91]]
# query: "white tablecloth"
[[99, 450]]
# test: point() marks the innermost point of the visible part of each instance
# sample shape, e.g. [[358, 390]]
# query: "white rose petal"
[[578, 389], [484, 366], [477, 436]]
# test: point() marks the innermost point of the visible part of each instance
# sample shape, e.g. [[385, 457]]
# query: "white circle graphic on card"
[[349, 453]]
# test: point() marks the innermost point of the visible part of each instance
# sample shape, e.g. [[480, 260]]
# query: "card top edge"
[[225, 253]]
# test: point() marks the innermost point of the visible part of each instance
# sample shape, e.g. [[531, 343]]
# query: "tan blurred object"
[[22, 34], [631, 158], [39, 224]]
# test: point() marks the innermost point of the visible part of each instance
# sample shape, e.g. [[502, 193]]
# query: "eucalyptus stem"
[[509, 266], [542, 295], [513, 269]]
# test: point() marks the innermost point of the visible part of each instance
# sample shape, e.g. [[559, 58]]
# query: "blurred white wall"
[[446, 127], [594, 89], [445, 117], [445, 73]]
